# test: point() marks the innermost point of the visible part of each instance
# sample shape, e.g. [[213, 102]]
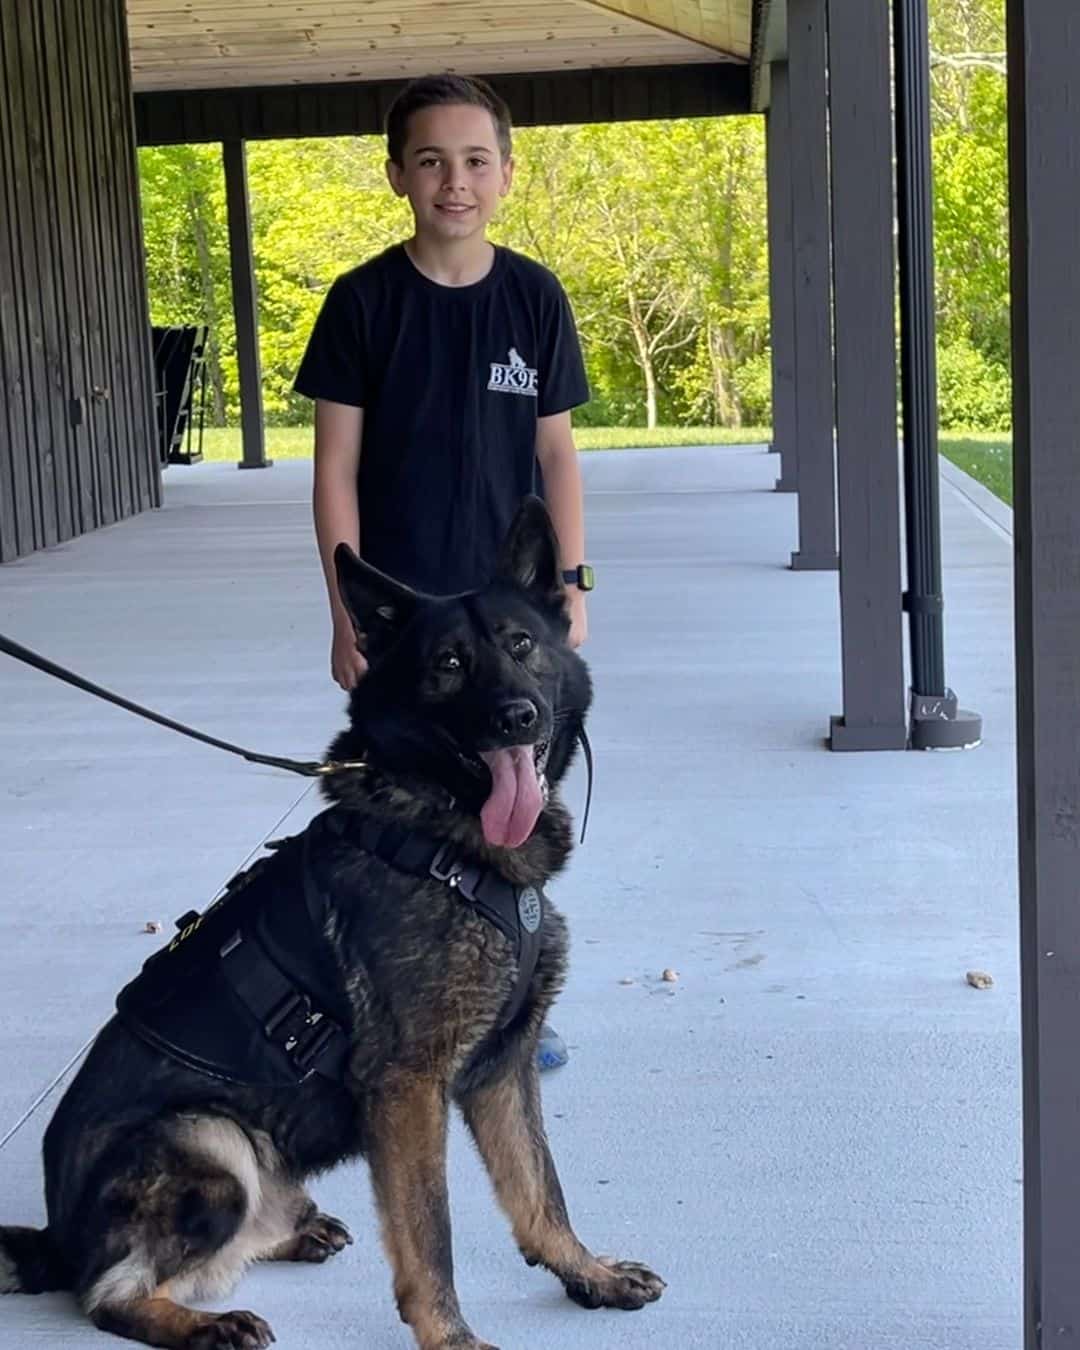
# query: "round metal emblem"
[[530, 908]]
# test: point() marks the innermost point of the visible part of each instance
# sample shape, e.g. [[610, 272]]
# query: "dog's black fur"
[[162, 1183]]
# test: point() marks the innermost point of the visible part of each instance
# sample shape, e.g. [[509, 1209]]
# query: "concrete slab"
[[814, 1135]]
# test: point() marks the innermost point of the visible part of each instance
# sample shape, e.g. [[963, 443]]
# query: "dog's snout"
[[516, 717]]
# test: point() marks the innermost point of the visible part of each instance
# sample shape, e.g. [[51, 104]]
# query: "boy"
[[443, 372]]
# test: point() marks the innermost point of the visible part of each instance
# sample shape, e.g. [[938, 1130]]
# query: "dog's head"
[[477, 694]]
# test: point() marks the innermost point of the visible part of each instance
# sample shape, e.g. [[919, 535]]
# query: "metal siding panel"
[[56, 460], [69, 267], [38, 274], [27, 275], [109, 404], [140, 383], [71, 276], [16, 529]]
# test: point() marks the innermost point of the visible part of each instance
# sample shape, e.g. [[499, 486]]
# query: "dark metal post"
[[245, 306], [936, 721], [813, 331], [781, 278], [860, 122], [1044, 169]]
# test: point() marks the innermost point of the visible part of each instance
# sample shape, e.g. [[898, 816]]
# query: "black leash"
[[308, 768], [587, 748]]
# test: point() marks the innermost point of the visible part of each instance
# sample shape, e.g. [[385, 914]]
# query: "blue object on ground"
[[551, 1052]]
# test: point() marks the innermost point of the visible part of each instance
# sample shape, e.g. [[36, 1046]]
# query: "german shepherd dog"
[[164, 1181]]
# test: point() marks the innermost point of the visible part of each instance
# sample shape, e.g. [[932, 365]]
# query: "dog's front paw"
[[608, 1283], [232, 1331]]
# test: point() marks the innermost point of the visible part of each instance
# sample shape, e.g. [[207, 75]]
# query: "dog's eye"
[[522, 645], [448, 660]]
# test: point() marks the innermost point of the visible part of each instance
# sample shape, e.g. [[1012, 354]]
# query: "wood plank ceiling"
[[219, 44]]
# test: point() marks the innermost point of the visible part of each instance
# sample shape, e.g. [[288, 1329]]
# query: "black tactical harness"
[[249, 991]]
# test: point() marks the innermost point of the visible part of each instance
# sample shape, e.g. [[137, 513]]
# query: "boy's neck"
[[455, 262]]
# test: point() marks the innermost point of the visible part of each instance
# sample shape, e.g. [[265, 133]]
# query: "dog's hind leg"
[[504, 1114], [315, 1236], [406, 1130], [180, 1215]]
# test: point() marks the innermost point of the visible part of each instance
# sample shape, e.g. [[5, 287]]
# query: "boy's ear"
[[379, 606], [530, 553], [393, 174], [507, 175]]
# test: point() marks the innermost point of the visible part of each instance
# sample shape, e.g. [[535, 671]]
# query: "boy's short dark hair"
[[430, 91]]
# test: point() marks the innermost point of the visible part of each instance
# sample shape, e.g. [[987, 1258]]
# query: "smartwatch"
[[581, 576]]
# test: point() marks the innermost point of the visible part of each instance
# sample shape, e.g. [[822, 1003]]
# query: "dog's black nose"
[[516, 717]]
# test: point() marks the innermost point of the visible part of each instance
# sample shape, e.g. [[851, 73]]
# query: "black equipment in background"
[[180, 390]]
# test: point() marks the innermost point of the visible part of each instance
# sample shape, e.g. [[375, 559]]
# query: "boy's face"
[[452, 171]]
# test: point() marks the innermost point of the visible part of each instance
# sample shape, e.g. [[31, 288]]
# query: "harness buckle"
[[445, 866], [307, 1052], [288, 1019], [302, 1032]]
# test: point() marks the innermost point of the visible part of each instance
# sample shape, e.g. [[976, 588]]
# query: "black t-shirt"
[[451, 380]]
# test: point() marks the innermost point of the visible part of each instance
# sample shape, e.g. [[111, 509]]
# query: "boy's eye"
[[522, 645], [448, 660]]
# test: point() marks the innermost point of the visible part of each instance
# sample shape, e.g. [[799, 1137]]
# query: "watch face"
[[586, 579]]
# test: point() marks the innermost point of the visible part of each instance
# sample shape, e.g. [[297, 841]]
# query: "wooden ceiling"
[[220, 44]]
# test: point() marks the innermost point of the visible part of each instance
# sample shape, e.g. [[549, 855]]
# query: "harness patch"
[[530, 909]]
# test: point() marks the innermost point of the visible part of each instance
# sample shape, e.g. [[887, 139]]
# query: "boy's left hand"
[[579, 624]]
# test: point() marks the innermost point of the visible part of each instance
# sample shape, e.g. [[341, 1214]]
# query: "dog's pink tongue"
[[509, 814]]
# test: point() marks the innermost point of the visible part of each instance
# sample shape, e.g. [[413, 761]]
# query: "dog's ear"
[[530, 553], [379, 606]]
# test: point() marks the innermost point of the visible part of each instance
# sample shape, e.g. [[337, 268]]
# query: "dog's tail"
[[30, 1263]]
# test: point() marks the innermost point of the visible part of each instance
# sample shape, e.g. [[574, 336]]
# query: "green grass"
[[223, 443], [986, 455]]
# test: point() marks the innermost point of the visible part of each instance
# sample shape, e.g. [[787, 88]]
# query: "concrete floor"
[[813, 1135]]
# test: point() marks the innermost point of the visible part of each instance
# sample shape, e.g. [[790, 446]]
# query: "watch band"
[[581, 576]]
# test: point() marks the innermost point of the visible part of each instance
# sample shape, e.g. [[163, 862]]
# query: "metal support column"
[[245, 306], [813, 329], [868, 469], [1044, 164], [781, 278], [936, 720]]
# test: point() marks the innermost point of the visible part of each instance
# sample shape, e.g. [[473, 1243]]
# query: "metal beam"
[[245, 306], [769, 48], [1044, 163], [813, 335], [781, 279], [868, 470], [936, 720], [358, 108]]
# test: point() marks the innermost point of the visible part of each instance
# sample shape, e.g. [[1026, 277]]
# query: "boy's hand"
[[347, 662], [579, 623]]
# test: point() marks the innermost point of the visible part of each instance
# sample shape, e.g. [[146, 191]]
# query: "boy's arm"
[[336, 505], [558, 459]]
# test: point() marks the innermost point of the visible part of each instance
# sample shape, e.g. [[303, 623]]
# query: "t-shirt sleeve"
[[563, 383], [334, 365]]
